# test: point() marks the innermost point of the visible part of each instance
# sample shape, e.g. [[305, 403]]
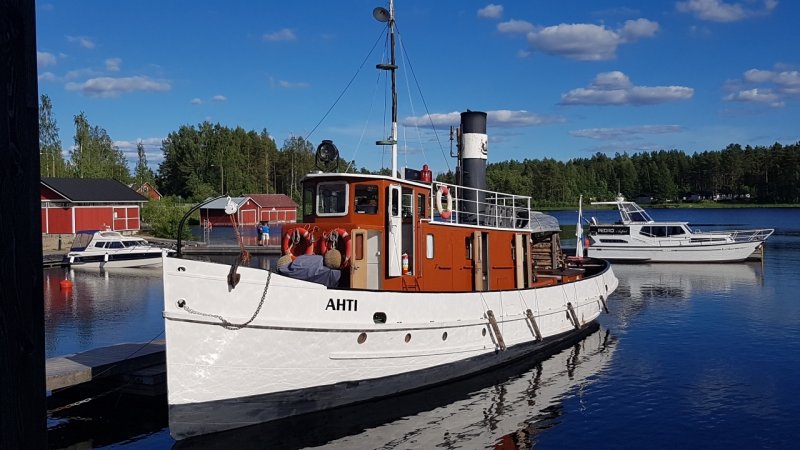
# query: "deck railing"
[[745, 235], [479, 207]]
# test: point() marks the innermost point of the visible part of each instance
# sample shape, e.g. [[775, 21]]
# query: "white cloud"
[[772, 87], [491, 11], [589, 42], [44, 59], [281, 35], [219, 98], [47, 76], [283, 84], [754, 95], [633, 30], [515, 26], [625, 133], [83, 41], [502, 118], [196, 101], [615, 88], [113, 87], [720, 11], [113, 64]]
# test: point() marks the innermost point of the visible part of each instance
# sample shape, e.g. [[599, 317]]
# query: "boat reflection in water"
[[102, 307], [686, 280], [643, 284], [502, 408]]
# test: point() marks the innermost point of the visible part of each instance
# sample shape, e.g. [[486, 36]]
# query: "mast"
[[382, 15]]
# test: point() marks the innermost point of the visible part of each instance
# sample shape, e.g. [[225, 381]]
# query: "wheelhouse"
[[413, 235]]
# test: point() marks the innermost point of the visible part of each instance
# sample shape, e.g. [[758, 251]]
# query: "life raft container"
[[296, 242], [337, 238], [444, 213]]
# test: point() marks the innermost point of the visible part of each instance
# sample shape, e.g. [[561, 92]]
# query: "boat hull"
[[129, 261], [727, 252], [306, 348]]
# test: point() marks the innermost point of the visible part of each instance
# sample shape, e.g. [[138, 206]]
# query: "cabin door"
[[521, 264], [478, 261], [394, 232], [409, 229], [365, 271]]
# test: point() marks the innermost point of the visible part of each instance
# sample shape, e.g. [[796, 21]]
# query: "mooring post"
[[23, 420]]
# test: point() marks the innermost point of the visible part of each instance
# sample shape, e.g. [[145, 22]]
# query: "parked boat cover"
[[311, 268], [543, 223]]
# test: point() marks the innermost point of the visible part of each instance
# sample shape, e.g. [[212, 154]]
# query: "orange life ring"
[[444, 213], [337, 235], [297, 241]]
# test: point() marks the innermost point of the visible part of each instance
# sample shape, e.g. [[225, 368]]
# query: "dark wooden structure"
[[22, 375]]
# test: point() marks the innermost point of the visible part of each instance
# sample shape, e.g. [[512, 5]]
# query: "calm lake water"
[[690, 356]]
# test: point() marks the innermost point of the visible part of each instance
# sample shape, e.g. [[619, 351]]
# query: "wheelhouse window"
[[408, 203], [395, 193], [332, 198], [366, 198], [308, 200], [421, 206]]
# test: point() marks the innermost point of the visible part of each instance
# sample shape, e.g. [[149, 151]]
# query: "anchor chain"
[[224, 322]]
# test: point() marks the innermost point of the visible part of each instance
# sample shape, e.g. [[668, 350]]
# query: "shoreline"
[[700, 205]]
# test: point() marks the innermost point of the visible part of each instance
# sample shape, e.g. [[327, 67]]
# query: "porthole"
[[362, 338], [444, 336], [379, 317], [483, 332], [408, 338]]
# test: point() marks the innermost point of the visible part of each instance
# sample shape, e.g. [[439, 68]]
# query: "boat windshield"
[[631, 212]]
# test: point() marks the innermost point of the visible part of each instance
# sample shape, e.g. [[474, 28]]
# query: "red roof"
[[273, 200]]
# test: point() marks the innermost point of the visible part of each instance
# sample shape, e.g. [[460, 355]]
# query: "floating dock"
[[137, 367]]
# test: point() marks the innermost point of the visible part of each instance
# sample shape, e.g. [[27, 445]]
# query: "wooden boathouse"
[[252, 208], [73, 204]]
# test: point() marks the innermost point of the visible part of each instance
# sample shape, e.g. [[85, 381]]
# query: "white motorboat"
[[435, 282], [111, 249], [636, 237]]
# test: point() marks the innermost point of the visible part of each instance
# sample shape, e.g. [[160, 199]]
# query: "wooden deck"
[[105, 362]]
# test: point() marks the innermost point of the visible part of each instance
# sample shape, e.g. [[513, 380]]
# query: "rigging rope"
[[345, 88]]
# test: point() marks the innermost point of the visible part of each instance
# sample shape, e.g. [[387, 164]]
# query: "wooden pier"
[[138, 367]]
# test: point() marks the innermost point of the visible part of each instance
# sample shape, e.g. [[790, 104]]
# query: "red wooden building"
[[275, 208], [70, 205], [147, 190], [253, 208]]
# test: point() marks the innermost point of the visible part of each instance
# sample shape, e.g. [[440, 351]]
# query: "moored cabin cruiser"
[[111, 249], [388, 285], [636, 237]]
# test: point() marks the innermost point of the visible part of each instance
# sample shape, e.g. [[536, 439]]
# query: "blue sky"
[[559, 79]]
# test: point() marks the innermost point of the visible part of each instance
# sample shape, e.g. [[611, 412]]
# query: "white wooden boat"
[[488, 411], [636, 237], [437, 282], [111, 249]]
